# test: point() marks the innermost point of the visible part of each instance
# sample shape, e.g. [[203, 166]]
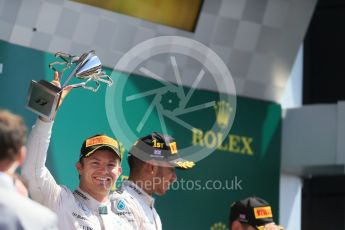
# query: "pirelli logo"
[[263, 212], [104, 140], [173, 147]]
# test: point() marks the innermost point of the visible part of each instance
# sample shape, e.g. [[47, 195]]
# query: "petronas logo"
[[218, 226], [223, 113]]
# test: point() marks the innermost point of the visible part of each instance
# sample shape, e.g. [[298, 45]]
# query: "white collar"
[[91, 203], [134, 188], [6, 181]]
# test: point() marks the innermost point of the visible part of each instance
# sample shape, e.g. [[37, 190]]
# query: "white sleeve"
[[42, 186]]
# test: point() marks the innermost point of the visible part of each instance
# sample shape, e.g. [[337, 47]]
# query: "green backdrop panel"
[[246, 163]]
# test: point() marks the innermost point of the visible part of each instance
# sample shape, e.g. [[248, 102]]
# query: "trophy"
[[44, 97]]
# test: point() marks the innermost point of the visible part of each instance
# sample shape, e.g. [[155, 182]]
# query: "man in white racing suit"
[[88, 207], [152, 161]]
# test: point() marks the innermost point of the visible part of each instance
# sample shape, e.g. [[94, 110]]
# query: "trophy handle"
[[67, 57], [84, 85], [60, 72], [68, 60], [94, 89], [103, 77]]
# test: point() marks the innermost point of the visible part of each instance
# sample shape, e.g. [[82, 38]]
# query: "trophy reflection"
[[43, 97]]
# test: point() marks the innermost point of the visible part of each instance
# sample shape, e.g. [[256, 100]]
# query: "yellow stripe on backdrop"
[[181, 14]]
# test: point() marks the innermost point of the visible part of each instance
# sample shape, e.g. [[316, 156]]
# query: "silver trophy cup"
[[43, 97]]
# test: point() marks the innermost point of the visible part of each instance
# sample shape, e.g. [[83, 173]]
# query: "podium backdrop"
[[245, 163]]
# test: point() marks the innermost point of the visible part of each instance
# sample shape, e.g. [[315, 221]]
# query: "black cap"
[[91, 144], [253, 211], [161, 148]]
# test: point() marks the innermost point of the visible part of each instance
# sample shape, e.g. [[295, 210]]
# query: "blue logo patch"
[[121, 205], [157, 152]]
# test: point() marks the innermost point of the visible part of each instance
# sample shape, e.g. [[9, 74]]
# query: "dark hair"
[[12, 135], [244, 225], [133, 162]]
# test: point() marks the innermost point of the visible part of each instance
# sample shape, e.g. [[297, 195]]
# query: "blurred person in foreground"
[[16, 210], [252, 213]]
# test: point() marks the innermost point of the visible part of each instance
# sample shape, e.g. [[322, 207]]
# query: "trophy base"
[[43, 98]]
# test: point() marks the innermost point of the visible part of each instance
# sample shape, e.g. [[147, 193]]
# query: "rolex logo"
[[218, 226], [223, 113]]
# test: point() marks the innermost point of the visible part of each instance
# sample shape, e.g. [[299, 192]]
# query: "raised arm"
[[42, 186]]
